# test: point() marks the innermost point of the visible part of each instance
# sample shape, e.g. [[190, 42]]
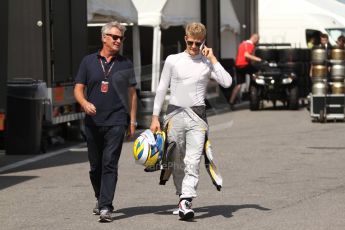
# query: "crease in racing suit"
[[167, 163]]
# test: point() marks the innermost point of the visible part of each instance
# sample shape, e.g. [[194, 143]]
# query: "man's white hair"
[[109, 25]]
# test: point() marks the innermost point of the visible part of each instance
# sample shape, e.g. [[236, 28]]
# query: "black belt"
[[200, 110]]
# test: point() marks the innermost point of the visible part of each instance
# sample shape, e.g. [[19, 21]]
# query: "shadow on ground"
[[8, 181], [67, 158], [225, 210], [201, 212]]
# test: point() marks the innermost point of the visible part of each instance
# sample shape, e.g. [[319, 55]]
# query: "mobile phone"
[[202, 46]]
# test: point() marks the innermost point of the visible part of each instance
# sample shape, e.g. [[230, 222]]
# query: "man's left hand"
[[131, 130]]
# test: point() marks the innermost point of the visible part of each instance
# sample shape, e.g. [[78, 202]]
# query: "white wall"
[[282, 21]]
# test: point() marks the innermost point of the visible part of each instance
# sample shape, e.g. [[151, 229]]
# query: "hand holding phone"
[[202, 46], [208, 53]]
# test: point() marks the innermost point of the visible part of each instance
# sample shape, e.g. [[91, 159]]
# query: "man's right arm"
[[160, 95], [248, 52], [252, 57], [88, 107], [79, 88]]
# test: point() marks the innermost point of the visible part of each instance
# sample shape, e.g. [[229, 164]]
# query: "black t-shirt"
[[112, 106]]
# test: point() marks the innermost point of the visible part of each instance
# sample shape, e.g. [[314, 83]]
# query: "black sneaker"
[[95, 210], [105, 216]]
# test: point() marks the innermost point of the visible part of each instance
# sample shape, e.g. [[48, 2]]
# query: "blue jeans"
[[104, 149]]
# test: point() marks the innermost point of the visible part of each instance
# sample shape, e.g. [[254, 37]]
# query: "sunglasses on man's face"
[[190, 43], [115, 37]]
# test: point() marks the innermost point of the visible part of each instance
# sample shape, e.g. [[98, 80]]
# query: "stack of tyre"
[[337, 70], [328, 71], [319, 71]]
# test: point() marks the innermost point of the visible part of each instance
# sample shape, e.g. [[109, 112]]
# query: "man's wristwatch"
[[134, 123]]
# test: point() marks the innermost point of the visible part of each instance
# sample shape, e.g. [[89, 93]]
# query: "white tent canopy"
[[180, 12], [167, 13], [149, 12], [164, 13], [108, 10], [159, 14]]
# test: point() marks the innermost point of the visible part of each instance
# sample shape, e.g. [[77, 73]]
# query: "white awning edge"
[[109, 10], [180, 12], [149, 12], [149, 19]]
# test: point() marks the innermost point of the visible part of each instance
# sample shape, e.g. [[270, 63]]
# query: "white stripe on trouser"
[[189, 134]]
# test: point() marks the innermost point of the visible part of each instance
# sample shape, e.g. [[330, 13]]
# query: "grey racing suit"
[[188, 131], [187, 77]]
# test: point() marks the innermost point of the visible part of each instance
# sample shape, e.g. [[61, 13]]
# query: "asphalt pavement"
[[280, 171]]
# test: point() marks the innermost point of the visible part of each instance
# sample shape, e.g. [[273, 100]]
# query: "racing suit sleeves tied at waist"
[[198, 114], [211, 168]]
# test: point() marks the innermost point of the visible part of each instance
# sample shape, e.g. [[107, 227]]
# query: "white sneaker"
[[185, 210], [175, 211], [105, 216]]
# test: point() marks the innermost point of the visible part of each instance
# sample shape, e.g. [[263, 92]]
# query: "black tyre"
[[254, 98], [305, 55], [293, 98], [292, 67], [289, 55], [267, 54]]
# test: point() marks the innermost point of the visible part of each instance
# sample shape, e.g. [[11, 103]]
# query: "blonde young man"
[[187, 74]]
